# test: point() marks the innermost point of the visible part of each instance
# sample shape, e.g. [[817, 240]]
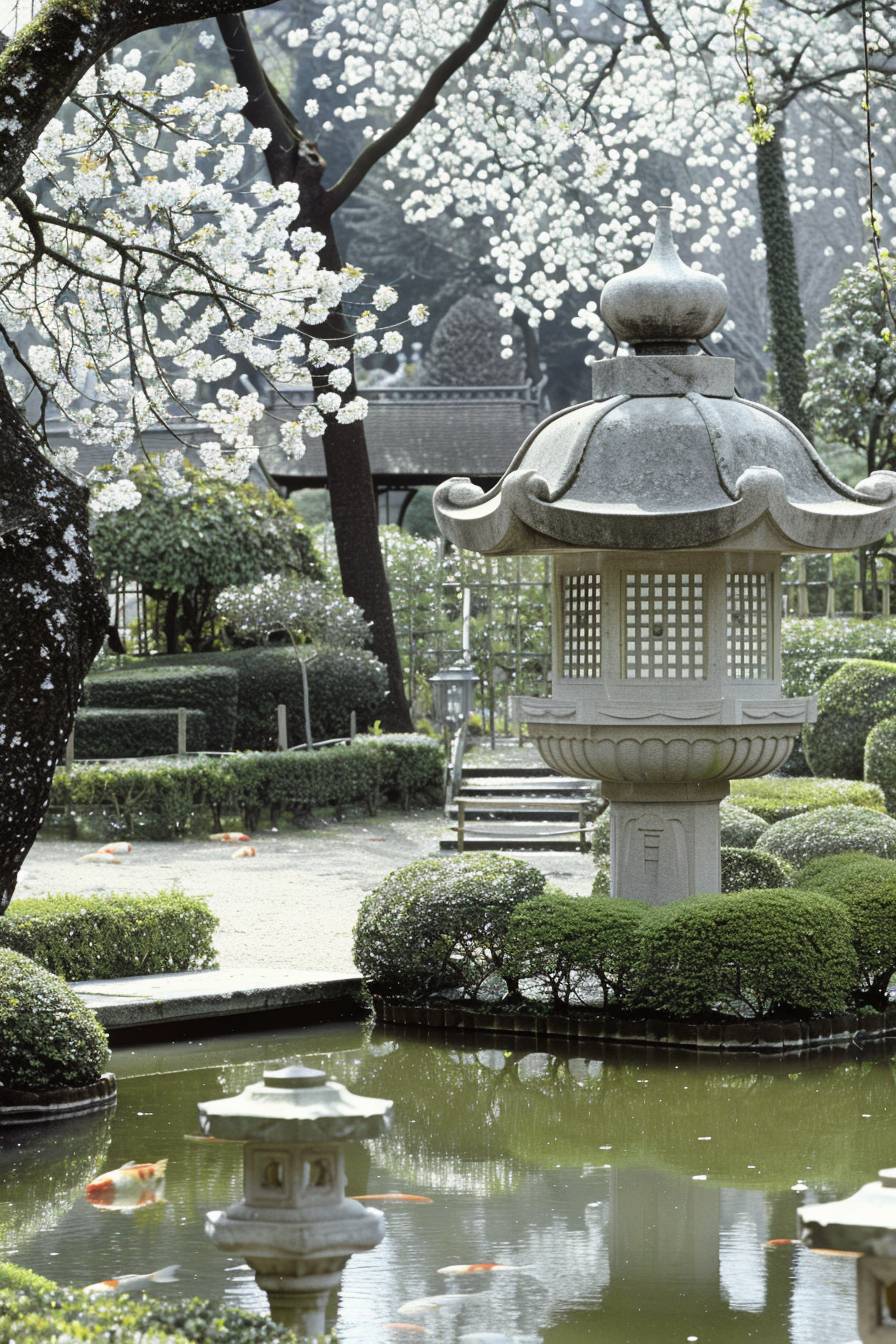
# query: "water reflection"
[[636, 1192]]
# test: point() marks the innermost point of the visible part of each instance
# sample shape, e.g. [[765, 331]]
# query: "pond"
[[635, 1190]]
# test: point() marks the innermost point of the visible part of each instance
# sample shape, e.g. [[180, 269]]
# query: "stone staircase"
[[506, 807]]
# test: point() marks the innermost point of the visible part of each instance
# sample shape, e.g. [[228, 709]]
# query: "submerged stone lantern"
[[865, 1226], [667, 502], [294, 1225]]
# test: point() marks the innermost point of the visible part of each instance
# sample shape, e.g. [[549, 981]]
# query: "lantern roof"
[[666, 456], [295, 1105]]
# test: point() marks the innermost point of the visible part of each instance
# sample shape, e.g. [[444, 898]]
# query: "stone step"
[[551, 786], [508, 771], [512, 836]]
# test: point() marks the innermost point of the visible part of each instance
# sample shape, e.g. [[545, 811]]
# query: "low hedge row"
[[774, 798], [101, 937], [167, 797], [113, 733], [485, 926], [153, 685], [48, 1038], [34, 1310]]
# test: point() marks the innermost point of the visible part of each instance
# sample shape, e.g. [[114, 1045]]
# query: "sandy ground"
[[293, 906]]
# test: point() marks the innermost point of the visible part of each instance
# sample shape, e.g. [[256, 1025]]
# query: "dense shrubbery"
[[830, 830], [102, 734], [755, 953], [169, 797], [156, 684], [441, 924], [47, 1037], [811, 648], [743, 869], [33, 1310], [559, 941], [880, 760], [850, 703], [773, 799], [866, 886], [100, 937]]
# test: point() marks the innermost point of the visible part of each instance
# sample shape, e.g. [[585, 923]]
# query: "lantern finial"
[[663, 306]]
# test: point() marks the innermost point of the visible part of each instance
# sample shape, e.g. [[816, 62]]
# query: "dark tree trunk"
[[172, 604], [788, 326], [53, 616]]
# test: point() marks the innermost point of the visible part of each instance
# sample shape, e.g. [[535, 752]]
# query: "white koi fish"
[[132, 1283]]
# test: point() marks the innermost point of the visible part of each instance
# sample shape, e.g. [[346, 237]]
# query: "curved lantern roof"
[[666, 456]]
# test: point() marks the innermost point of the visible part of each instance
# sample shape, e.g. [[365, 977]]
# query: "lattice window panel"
[[664, 626], [749, 637], [581, 625]]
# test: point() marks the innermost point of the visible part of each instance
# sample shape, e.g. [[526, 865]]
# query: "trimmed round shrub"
[[880, 760], [774, 799], [47, 1036], [850, 703], [753, 954], [558, 940], [441, 923], [866, 886], [830, 830], [743, 869], [740, 828]]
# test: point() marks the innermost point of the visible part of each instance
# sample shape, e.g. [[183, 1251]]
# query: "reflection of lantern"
[[294, 1225], [863, 1225], [667, 502], [452, 694]]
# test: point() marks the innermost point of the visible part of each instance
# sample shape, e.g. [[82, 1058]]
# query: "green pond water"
[[637, 1189]]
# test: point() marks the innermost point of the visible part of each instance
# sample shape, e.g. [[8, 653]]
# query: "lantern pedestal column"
[[664, 839]]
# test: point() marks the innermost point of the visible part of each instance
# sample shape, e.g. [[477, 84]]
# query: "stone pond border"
[[20, 1107], [761, 1034]]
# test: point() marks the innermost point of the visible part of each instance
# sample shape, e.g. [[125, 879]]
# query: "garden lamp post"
[[863, 1225], [294, 1224], [452, 694], [667, 502]]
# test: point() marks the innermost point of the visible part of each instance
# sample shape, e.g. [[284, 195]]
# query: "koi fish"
[[117, 847], [406, 1328], [246, 852], [846, 1255], [391, 1199], [440, 1302], [131, 1186], [208, 1138], [783, 1241], [132, 1283], [487, 1267], [230, 837], [99, 857]]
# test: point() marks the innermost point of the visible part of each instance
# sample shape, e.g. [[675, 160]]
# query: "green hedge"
[[756, 953], [811, 648], [47, 1036], [560, 942], [850, 703], [880, 760], [774, 799], [168, 797], [830, 830], [101, 937], [743, 869], [102, 734], [156, 684], [866, 886], [441, 924], [33, 1310]]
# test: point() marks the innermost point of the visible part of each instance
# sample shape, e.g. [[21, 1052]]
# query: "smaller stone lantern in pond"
[[294, 1225], [865, 1226]]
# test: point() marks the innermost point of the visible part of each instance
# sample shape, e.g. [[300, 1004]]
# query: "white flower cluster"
[[307, 611], [138, 272]]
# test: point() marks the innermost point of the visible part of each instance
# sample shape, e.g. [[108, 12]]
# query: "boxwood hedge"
[[850, 703], [773, 798], [880, 760], [100, 937], [155, 684], [103, 734], [866, 886], [743, 869], [47, 1037], [830, 830]]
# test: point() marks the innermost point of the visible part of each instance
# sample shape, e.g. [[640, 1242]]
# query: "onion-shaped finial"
[[663, 306]]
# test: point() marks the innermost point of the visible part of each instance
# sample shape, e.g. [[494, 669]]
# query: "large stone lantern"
[[667, 502], [294, 1224]]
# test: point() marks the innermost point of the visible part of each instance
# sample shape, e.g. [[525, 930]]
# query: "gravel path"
[[293, 906]]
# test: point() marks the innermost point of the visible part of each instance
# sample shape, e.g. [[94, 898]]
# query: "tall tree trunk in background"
[[788, 325], [53, 616]]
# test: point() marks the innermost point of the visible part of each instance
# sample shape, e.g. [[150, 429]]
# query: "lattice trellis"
[[749, 644], [664, 626], [581, 625]]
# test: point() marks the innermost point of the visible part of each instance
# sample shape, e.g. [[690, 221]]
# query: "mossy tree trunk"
[[788, 325]]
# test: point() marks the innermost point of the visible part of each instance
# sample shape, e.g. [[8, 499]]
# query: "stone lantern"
[[667, 502], [453, 689], [863, 1225], [294, 1225]]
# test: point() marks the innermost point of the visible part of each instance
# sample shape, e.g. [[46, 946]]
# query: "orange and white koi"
[[391, 1199], [99, 857], [245, 852], [230, 837], [132, 1283], [487, 1267], [406, 1327], [783, 1241], [131, 1186], [117, 847]]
